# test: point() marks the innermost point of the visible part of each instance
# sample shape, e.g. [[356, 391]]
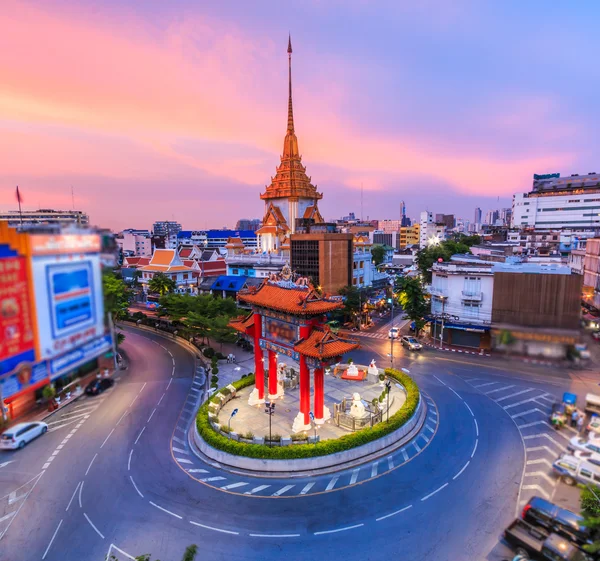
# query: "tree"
[[378, 254], [590, 510], [116, 295], [161, 284], [189, 555], [221, 331], [198, 324], [413, 301], [427, 256]]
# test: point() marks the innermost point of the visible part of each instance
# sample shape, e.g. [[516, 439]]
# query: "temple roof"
[[293, 299], [243, 323], [324, 344]]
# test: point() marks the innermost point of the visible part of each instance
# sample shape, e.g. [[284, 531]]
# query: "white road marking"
[[476, 427], [105, 440], [338, 530], [80, 491], [527, 413], [142, 388], [55, 453], [416, 446], [543, 475], [129, 460], [539, 461], [136, 440], [9, 515], [392, 513], [135, 487], [256, 489], [474, 447], [274, 535], [197, 471], [390, 462], [535, 423], [112, 545], [165, 510], [180, 440], [425, 437], [50, 544], [431, 429], [287, 488], [354, 476], [183, 460], [151, 414], [179, 450], [92, 525], [134, 400], [514, 395], [46, 466], [546, 398], [520, 403], [53, 429], [218, 478], [499, 389], [545, 448], [463, 469], [309, 486], [87, 405], [543, 435], [74, 492], [434, 492], [330, 485], [13, 498], [374, 469], [234, 485], [486, 384], [404, 454], [169, 382], [470, 410], [122, 416], [161, 398], [89, 467], [215, 529], [60, 447], [536, 488]]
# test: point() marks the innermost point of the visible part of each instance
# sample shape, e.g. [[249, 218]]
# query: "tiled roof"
[[162, 257], [292, 300], [325, 344], [184, 253], [243, 323], [229, 282]]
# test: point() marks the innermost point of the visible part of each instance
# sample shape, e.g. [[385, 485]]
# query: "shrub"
[[323, 448], [208, 352], [220, 356], [226, 391], [275, 438], [48, 392], [215, 370], [225, 429], [299, 436], [381, 377], [248, 435], [350, 361], [214, 379]]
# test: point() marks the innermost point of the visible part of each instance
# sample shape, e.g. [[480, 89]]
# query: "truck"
[[537, 543], [592, 403]]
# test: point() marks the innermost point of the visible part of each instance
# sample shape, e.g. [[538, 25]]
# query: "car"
[[411, 343], [393, 333], [20, 434], [583, 352], [596, 335], [594, 425], [590, 444], [98, 386]]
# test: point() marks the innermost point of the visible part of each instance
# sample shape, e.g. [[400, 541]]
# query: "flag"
[[19, 198]]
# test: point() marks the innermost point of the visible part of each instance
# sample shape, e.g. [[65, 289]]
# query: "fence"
[[346, 421]]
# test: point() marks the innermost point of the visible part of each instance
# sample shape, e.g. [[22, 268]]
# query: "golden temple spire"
[[290, 125]]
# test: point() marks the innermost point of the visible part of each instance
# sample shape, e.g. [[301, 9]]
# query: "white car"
[[411, 343], [22, 433], [394, 333], [594, 426], [584, 444]]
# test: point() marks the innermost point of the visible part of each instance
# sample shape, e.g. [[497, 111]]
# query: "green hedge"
[[351, 440]]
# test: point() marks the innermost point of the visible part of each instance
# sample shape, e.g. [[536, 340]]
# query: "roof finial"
[[290, 125]]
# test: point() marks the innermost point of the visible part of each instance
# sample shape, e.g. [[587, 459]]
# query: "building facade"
[[45, 216], [166, 227], [135, 242]]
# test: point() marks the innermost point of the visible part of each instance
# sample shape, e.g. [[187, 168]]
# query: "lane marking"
[[69, 417], [136, 440], [390, 463], [179, 450], [374, 469], [416, 446], [535, 488], [52, 540], [354, 476], [330, 485], [218, 478], [129, 460], [484, 385], [521, 403], [135, 486], [476, 427], [134, 400], [544, 435], [165, 510], [234, 485], [80, 490], [9, 515], [527, 413], [514, 394], [112, 545], [431, 429], [404, 454], [184, 460], [105, 440], [463, 469], [539, 461], [392, 513], [180, 440], [543, 475], [499, 389], [474, 447], [197, 471], [338, 530], [92, 525], [122, 416], [256, 489], [425, 437], [74, 493], [151, 414], [288, 487], [214, 529], [161, 398], [274, 535], [545, 448], [434, 492], [169, 383], [308, 487], [142, 388], [90, 466]]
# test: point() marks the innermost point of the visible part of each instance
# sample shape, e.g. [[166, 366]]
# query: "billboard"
[[17, 341], [68, 298], [79, 356], [279, 331], [26, 377]]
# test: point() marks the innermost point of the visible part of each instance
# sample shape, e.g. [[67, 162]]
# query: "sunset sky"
[[155, 110]]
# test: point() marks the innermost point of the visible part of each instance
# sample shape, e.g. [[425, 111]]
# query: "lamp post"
[[388, 387], [270, 410], [392, 332], [233, 414], [312, 418]]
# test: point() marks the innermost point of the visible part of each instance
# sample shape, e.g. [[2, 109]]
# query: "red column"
[[259, 367], [319, 393], [272, 374], [304, 379]]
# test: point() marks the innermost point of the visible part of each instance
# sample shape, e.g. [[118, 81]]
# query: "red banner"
[[16, 329]]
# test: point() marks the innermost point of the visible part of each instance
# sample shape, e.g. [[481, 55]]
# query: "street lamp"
[[270, 411], [233, 414], [312, 418], [388, 387]]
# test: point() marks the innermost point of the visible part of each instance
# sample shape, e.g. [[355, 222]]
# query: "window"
[[185, 276], [585, 473], [174, 277], [234, 271]]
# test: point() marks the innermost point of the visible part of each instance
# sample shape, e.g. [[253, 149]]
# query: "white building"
[[168, 262], [425, 220], [45, 216], [135, 242]]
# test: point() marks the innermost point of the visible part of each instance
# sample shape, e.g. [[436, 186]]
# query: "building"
[[556, 203], [492, 217], [191, 238], [165, 228], [291, 196], [425, 220], [478, 216], [591, 273], [389, 226], [248, 224], [135, 242], [446, 219], [168, 262], [218, 239], [380, 237], [409, 236], [325, 258], [550, 240], [576, 261], [430, 232], [45, 216]]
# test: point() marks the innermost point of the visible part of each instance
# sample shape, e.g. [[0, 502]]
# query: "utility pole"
[[392, 329], [442, 330]]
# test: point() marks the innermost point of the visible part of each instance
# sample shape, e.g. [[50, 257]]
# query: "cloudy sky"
[[160, 110]]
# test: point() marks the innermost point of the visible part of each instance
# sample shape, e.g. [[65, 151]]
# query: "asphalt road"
[[122, 479]]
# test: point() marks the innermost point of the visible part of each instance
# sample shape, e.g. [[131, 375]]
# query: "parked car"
[[589, 444], [98, 386], [544, 514], [583, 351], [592, 403], [573, 469], [22, 433], [596, 335], [594, 426], [538, 543], [393, 333], [411, 343]]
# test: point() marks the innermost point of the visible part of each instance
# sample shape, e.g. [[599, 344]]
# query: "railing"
[[347, 421], [258, 258], [440, 292], [468, 295]]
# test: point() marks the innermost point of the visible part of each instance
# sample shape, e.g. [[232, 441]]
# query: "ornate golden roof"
[[291, 179]]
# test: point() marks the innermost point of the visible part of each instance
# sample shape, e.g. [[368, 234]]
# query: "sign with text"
[[65, 243], [279, 331], [26, 377]]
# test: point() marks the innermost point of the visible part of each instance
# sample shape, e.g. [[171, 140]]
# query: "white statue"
[[352, 370], [357, 409], [373, 369]]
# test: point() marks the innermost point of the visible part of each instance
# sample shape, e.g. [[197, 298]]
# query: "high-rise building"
[[248, 224], [445, 219], [477, 215], [492, 217], [44, 216], [166, 228], [426, 220]]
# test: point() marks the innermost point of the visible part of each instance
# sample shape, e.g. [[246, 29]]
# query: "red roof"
[[185, 252], [325, 344], [300, 301], [137, 261], [243, 323]]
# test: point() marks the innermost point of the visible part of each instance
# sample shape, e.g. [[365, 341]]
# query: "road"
[[122, 475]]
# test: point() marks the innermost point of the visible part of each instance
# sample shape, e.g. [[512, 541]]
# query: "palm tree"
[[161, 284]]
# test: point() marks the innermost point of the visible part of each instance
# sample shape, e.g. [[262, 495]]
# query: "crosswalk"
[[530, 410], [282, 488]]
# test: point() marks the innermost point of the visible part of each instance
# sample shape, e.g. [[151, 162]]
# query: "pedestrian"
[[580, 423], [574, 417], [233, 358]]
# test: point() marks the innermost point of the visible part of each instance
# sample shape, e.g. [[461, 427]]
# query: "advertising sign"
[[279, 331], [27, 377], [79, 356], [65, 243], [16, 328]]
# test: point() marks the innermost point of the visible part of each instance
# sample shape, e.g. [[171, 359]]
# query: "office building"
[[409, 236], [478, 215], [248, 224], [136, 243], [166, 228], [218, 239], [188, 238], [45, 216]]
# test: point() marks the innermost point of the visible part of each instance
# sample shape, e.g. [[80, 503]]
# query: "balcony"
[[438, 292], [474, 296], [258, 259]]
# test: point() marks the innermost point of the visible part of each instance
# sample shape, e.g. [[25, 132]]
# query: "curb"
[[429, 345]]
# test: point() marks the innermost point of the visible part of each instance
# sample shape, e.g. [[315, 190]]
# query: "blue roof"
[[211, 234], [229, 282]]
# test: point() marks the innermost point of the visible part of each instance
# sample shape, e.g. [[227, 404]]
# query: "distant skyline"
[[177, 111]]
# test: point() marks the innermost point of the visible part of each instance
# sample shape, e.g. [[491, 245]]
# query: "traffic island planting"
[[215, 439]]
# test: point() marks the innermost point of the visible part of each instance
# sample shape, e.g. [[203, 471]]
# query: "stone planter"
[[258, 440]]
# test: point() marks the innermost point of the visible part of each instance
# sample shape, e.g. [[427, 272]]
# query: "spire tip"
[[289, 44]]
